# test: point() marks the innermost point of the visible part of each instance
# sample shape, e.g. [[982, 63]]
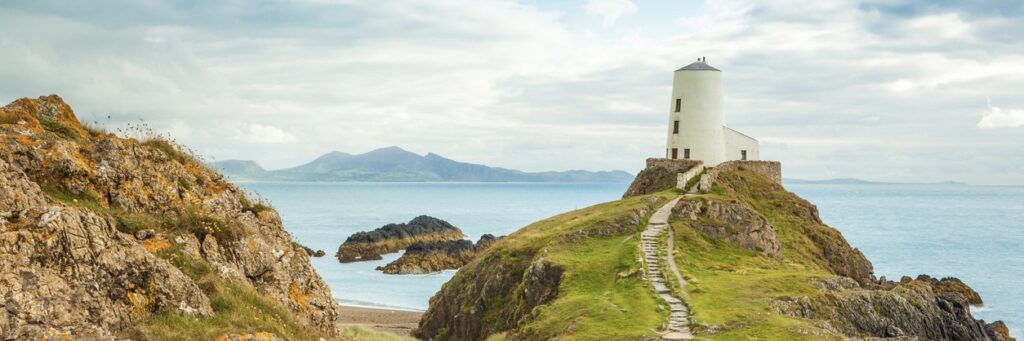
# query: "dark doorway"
[[743, 155], [686, 153], [675, 153]]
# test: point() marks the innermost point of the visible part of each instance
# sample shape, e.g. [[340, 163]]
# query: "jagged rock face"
[[731, 221], [370, 245], [65, 266], [912, 309], [830, 250], [70, 259], [423, 258]]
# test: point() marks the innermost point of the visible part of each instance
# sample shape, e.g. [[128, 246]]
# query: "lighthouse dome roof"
[[698, 66]]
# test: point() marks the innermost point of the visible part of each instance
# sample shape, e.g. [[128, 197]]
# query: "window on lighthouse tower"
[[679, 104], [675, 127]]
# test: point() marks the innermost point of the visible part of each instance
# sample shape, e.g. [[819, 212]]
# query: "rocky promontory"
[[427, 257], [755, 262], [370, 245], [112, 237]]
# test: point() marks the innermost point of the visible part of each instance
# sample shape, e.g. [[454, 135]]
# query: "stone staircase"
[[679, 320]]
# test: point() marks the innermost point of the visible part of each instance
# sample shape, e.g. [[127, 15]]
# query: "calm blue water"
[[322, 215], [973, 233]]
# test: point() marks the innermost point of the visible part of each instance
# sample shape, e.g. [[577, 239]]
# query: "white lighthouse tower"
[[696, 127]]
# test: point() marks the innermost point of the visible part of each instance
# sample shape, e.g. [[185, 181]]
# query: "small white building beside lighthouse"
[[696, 129]]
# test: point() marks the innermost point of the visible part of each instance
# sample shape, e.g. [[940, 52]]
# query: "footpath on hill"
[[679, 320]]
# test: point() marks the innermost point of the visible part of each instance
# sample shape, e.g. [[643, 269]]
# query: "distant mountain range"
[[394, 164], [852, 181]]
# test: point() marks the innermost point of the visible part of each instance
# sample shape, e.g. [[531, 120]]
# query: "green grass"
[[60, 129], [731, 288], [602, 294], [238, 309], [85, 198]]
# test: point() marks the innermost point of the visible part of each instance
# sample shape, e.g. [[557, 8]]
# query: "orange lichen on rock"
[[298, 296], [26, 140], [156, 244]]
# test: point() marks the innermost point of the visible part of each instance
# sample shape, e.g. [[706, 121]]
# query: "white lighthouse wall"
[[701, 116], [736, 142]]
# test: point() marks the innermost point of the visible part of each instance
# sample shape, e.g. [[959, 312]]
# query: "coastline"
[[401, 322]]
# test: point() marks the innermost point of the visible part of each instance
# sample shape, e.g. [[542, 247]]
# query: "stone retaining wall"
[[768, 169], [660, 174], [684, 177]]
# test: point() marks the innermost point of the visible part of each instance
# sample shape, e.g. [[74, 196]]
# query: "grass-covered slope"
[[572, 276], [760, 265], [821, 288]]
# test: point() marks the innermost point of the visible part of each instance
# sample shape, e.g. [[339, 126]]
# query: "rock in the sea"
[[428, 257], [99, 233], [370, 245]]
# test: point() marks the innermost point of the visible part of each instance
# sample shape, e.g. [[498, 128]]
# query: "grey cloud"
[[829, 86]]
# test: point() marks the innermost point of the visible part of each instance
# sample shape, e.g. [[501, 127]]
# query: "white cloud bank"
[[996, 117], [258, 133], [610, 10]]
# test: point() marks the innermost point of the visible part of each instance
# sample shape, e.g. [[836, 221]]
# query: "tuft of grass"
[[85, 198], [131, 222], [7, 117], [59, 128], [184, 184], [174, 151], [202, 224], [256, 207]]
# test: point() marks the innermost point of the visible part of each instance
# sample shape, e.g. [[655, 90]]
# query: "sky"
[[910, 91]]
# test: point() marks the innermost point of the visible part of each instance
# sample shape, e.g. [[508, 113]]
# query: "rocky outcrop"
[[732, 221], [423, 258], [505, 285], [370, 245], [827, 247], [309, 251], [923, 309], [659, 175], [99, 233]]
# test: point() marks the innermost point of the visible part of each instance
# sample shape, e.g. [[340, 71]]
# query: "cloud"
[[996, 117], [534, 84], [258, 133], [610, 10]]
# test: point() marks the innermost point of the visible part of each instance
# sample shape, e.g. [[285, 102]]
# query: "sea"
[[974, 233]]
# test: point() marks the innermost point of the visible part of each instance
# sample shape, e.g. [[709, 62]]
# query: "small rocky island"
[[370, 245], [423, 258]]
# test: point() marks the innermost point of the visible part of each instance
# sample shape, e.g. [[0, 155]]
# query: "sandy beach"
[[400, 322]]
